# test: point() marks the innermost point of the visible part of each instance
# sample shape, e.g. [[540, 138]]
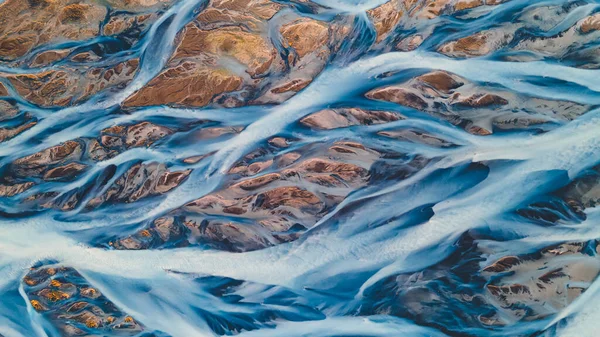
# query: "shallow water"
[[454, 217]]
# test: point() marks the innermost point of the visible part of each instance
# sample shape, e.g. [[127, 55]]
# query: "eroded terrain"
[[299, 168]]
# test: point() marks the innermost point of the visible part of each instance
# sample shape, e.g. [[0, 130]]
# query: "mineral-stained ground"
[[299, 168]]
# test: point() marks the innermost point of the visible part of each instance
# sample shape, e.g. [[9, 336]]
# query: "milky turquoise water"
[[334, 280]]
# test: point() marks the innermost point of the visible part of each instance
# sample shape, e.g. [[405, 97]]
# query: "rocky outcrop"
[[39, 163], [343, 117], [541, 284], [25, 25], [566, 204], [479, 44], [428, 9], [69, 85], [271, 199], [11, 132], [416, 136], [48, 57], [69, 160], [251, 50], [140, 181], [477, 109], [64, 298], [461, 5], [218, 53], [243, 13], [385, 18], [139, 5], [590, 24], [14, 189], [224, 56], [305, 36], [187, 84], [431, 9], [488, 295], [571, 45], [568, 45]]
